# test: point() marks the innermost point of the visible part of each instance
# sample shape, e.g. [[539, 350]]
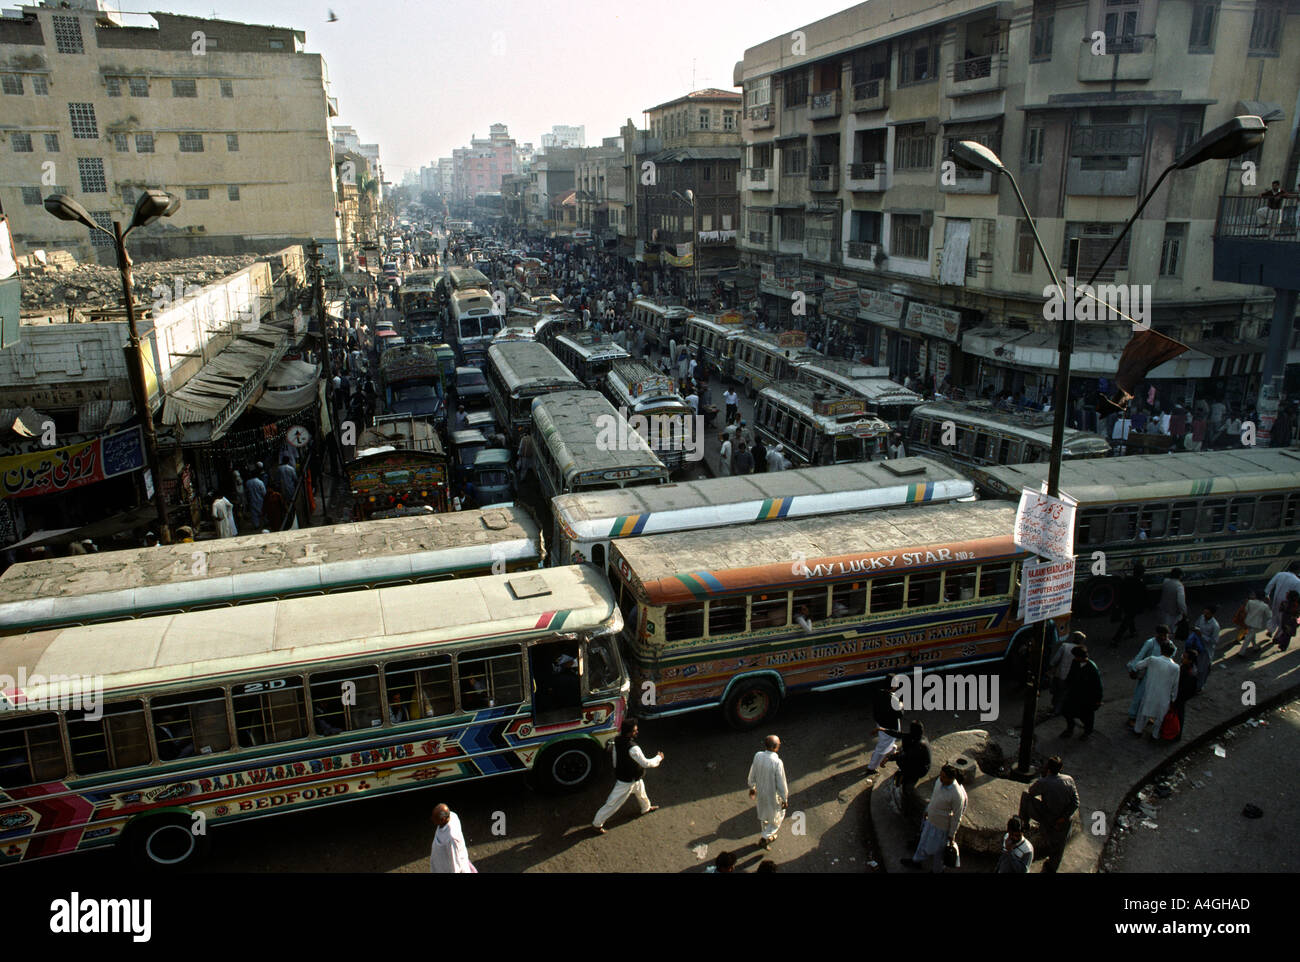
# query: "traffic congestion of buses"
[[513, 584]]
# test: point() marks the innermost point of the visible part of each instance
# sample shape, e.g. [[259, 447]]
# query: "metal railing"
[[1250, 217], [862, 250], [976, 68], [867, 170], [868, 89], [758, 175]]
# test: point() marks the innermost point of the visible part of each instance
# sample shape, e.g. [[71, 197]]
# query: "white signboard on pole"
[[1045, 525], [1046, 590]]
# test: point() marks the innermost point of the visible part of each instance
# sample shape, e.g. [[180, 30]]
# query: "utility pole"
[[318, 278]]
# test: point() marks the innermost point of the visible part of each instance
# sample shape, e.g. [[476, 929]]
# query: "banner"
[[62, 469], [935, 321], [1046, 590], [880, 306]]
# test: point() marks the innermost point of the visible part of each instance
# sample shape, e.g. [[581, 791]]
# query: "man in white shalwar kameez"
[[1150, 648], [767, 785], [449, 854], [1276, 590], [1162, 674]]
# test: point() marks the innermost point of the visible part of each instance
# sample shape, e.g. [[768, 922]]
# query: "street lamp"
[[689, 198], [152, 205], [1231, 139]]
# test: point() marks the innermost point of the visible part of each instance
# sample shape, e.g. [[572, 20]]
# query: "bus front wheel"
[[567, 767], [751, 703], [164, 842]]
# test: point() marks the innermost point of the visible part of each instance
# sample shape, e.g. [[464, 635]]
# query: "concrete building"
[[446, 176], [932, 268], [101, 111], [478, 168], [562, 137], [552, 176], [598, 179]]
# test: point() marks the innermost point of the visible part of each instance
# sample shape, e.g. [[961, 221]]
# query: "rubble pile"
[[53, 280]]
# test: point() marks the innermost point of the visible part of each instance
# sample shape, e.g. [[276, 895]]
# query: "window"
[[32, 196], [91, 171], [128, 196], [792, 226], [909, 238], [1189, 131], [31, 749], [1266, 28], [144, 143], [706, 173], [923, 589], [683, 621], [1182, 519], [887, 593], [104, 218], [794, 159], [191, 143], [995, 580], [420, 689], [770, 610], [728, 120], [959, 584], [1200, 38], [1154, 521], [794, 91], [1122, 525], [1025, 248], [114, 86], [759, 93], [190, 724], [1095, 241], [704, 120], [1269, 514], [12, 83], [1241, 514], [276, 44], [726, 616], [1171, 251], [227, 88], [185, 87], [67, 35], [814, 599], [865, 226], [41, 86], [121, 144], [1214, 514], [848, 600], [1034, 146], [913, 148], [84, 125], [492, 678], [52, 143], [270, 711], [232, 142], [1040, 43], [196, 193], [138, 86], [117, 740], [232, 192], [1119, 23], [346, 700], [919, 58], [21, 143]]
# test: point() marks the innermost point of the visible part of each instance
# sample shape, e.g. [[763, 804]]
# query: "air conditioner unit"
[[927, 218], [932, 125]]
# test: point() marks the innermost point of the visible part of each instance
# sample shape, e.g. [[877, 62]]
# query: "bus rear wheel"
[[751, 703], [164, 842], [1101, 596], [567, 767]]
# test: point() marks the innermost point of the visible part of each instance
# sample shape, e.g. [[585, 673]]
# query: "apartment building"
[[478, 168], [932, 268], [564, 136], [598, 180], [235, 123]]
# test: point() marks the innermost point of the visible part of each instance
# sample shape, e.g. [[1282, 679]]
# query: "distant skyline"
[[421, 79]]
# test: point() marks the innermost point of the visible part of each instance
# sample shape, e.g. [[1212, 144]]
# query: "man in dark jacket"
[[1132, 600], [1083, 693], [913, 758]]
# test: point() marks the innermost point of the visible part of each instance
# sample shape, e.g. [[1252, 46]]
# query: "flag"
[[1146, 351]]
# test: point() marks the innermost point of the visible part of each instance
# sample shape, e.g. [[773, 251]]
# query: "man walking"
[[1161, 689], [1061, 663], [1132, 599], [913, 758], [1149, 648], [1173, 599], [449, 854], [1083, 692], [223, 514], [732, 401], [942, 819], [888, 712], [255, 491], [767, 785], [630, 764], [1051, 801], [724, 457], [742, 462]]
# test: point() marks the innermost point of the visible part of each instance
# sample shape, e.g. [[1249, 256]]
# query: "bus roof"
[[1034, 424], [1163, 476], [598, 347], [691, 566], [806, 400], [571, 424], [125, 584], [741, 499], [668, 310], [473, 301], [300, 634], [872, 383], [529, 363], [462, 277]]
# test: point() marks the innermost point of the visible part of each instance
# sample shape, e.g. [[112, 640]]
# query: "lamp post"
[[1231, 139], [152, 205]]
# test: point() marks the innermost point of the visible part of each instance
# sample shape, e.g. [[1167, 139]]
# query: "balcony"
[[1125, 59], [871, 95], [970, 182], [760, 178], [977, 75], [824, 105], [760, 117], [1251, 247], [824, 178], [868, 177], [862, 251], [758, 240]]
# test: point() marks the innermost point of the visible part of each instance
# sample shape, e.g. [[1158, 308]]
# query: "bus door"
[[557, 682]]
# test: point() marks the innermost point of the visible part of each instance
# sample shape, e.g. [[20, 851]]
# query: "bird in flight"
[[333, 18]]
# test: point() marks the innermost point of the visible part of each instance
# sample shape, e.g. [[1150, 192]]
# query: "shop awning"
[[209, 402]]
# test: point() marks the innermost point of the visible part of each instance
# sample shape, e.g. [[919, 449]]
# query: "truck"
[[411, 379], [400, 466]]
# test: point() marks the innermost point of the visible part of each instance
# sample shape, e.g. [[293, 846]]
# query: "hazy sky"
[[420, 78]]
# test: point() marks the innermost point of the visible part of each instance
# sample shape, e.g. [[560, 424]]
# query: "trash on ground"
[[1147, 823], [1220, 751], [873, 864], [701, 852], [1197, 783]]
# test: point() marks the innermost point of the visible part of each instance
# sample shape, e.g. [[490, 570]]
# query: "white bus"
[[475, 320], [816, 428], [712, 338], [981, 435], [762, 357], [670, 423], [886, 399], [588, 355], [518, 372], [661, 323]]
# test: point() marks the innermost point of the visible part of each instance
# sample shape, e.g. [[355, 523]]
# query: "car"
[[472, 388]]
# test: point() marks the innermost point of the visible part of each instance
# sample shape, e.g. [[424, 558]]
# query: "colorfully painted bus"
[[710, 617], [636, 388], [762, 357], [711, 337], [1220, 516], [215, 717], [816, 428], [519, 372], [660, 322], [588, 355], [169, 579], [475, 318], [586, 522], [983, 435], [886, 399]]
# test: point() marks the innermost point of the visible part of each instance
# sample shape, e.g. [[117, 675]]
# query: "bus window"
[[1292, 510], [959, 584], [682, 622], [345, 700], [420, 689], [923, 589], [846, 449], [981, 447], [30, 750], [601, 664], [490, 679], [1092, 526], [117, 740], [1155, 520], [1213, 513], [1241, 514], [916, 429], [598, 556], [190, 724], [1033, 453], [269, 711], [726, 616], [1123, 524], [1269, 514], [1008, 449], [886, 594], [770, 610], [1182, 518], [848, 600], [995, 580], [815, 599]]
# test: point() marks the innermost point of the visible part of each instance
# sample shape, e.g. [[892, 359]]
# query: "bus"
[[582, 444], [762, 357], [1220, 516], [417, 299], [886, 399], [983, 435], [661, 323], [712, 338], [517, 373], [295, 704], [475, 320], [587, 522], [218, 574], [816, 429], [670, 426], [588, 355], [463, 279], [531, 275], [709, 616]]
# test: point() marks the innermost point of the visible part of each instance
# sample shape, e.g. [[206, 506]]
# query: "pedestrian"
[[760, 455], [887, 710], [1288, 621], [238, 496], [1132, 600], [462, 419], [724, 458], [1083, 691], [742, 462], [1161, 689], [768, 787], [1253, 618], [1173, 599], [1207, 628], [776, 459], [1051, 800], [223, 513], [942, 819], [1276, 590], [1017, 852], [724, 864], [449, 853], [287, 477], [255, 489], [1061, 663], [630, 764], [913, 759], [1188, 680], [1149, 648], [732, 401]]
